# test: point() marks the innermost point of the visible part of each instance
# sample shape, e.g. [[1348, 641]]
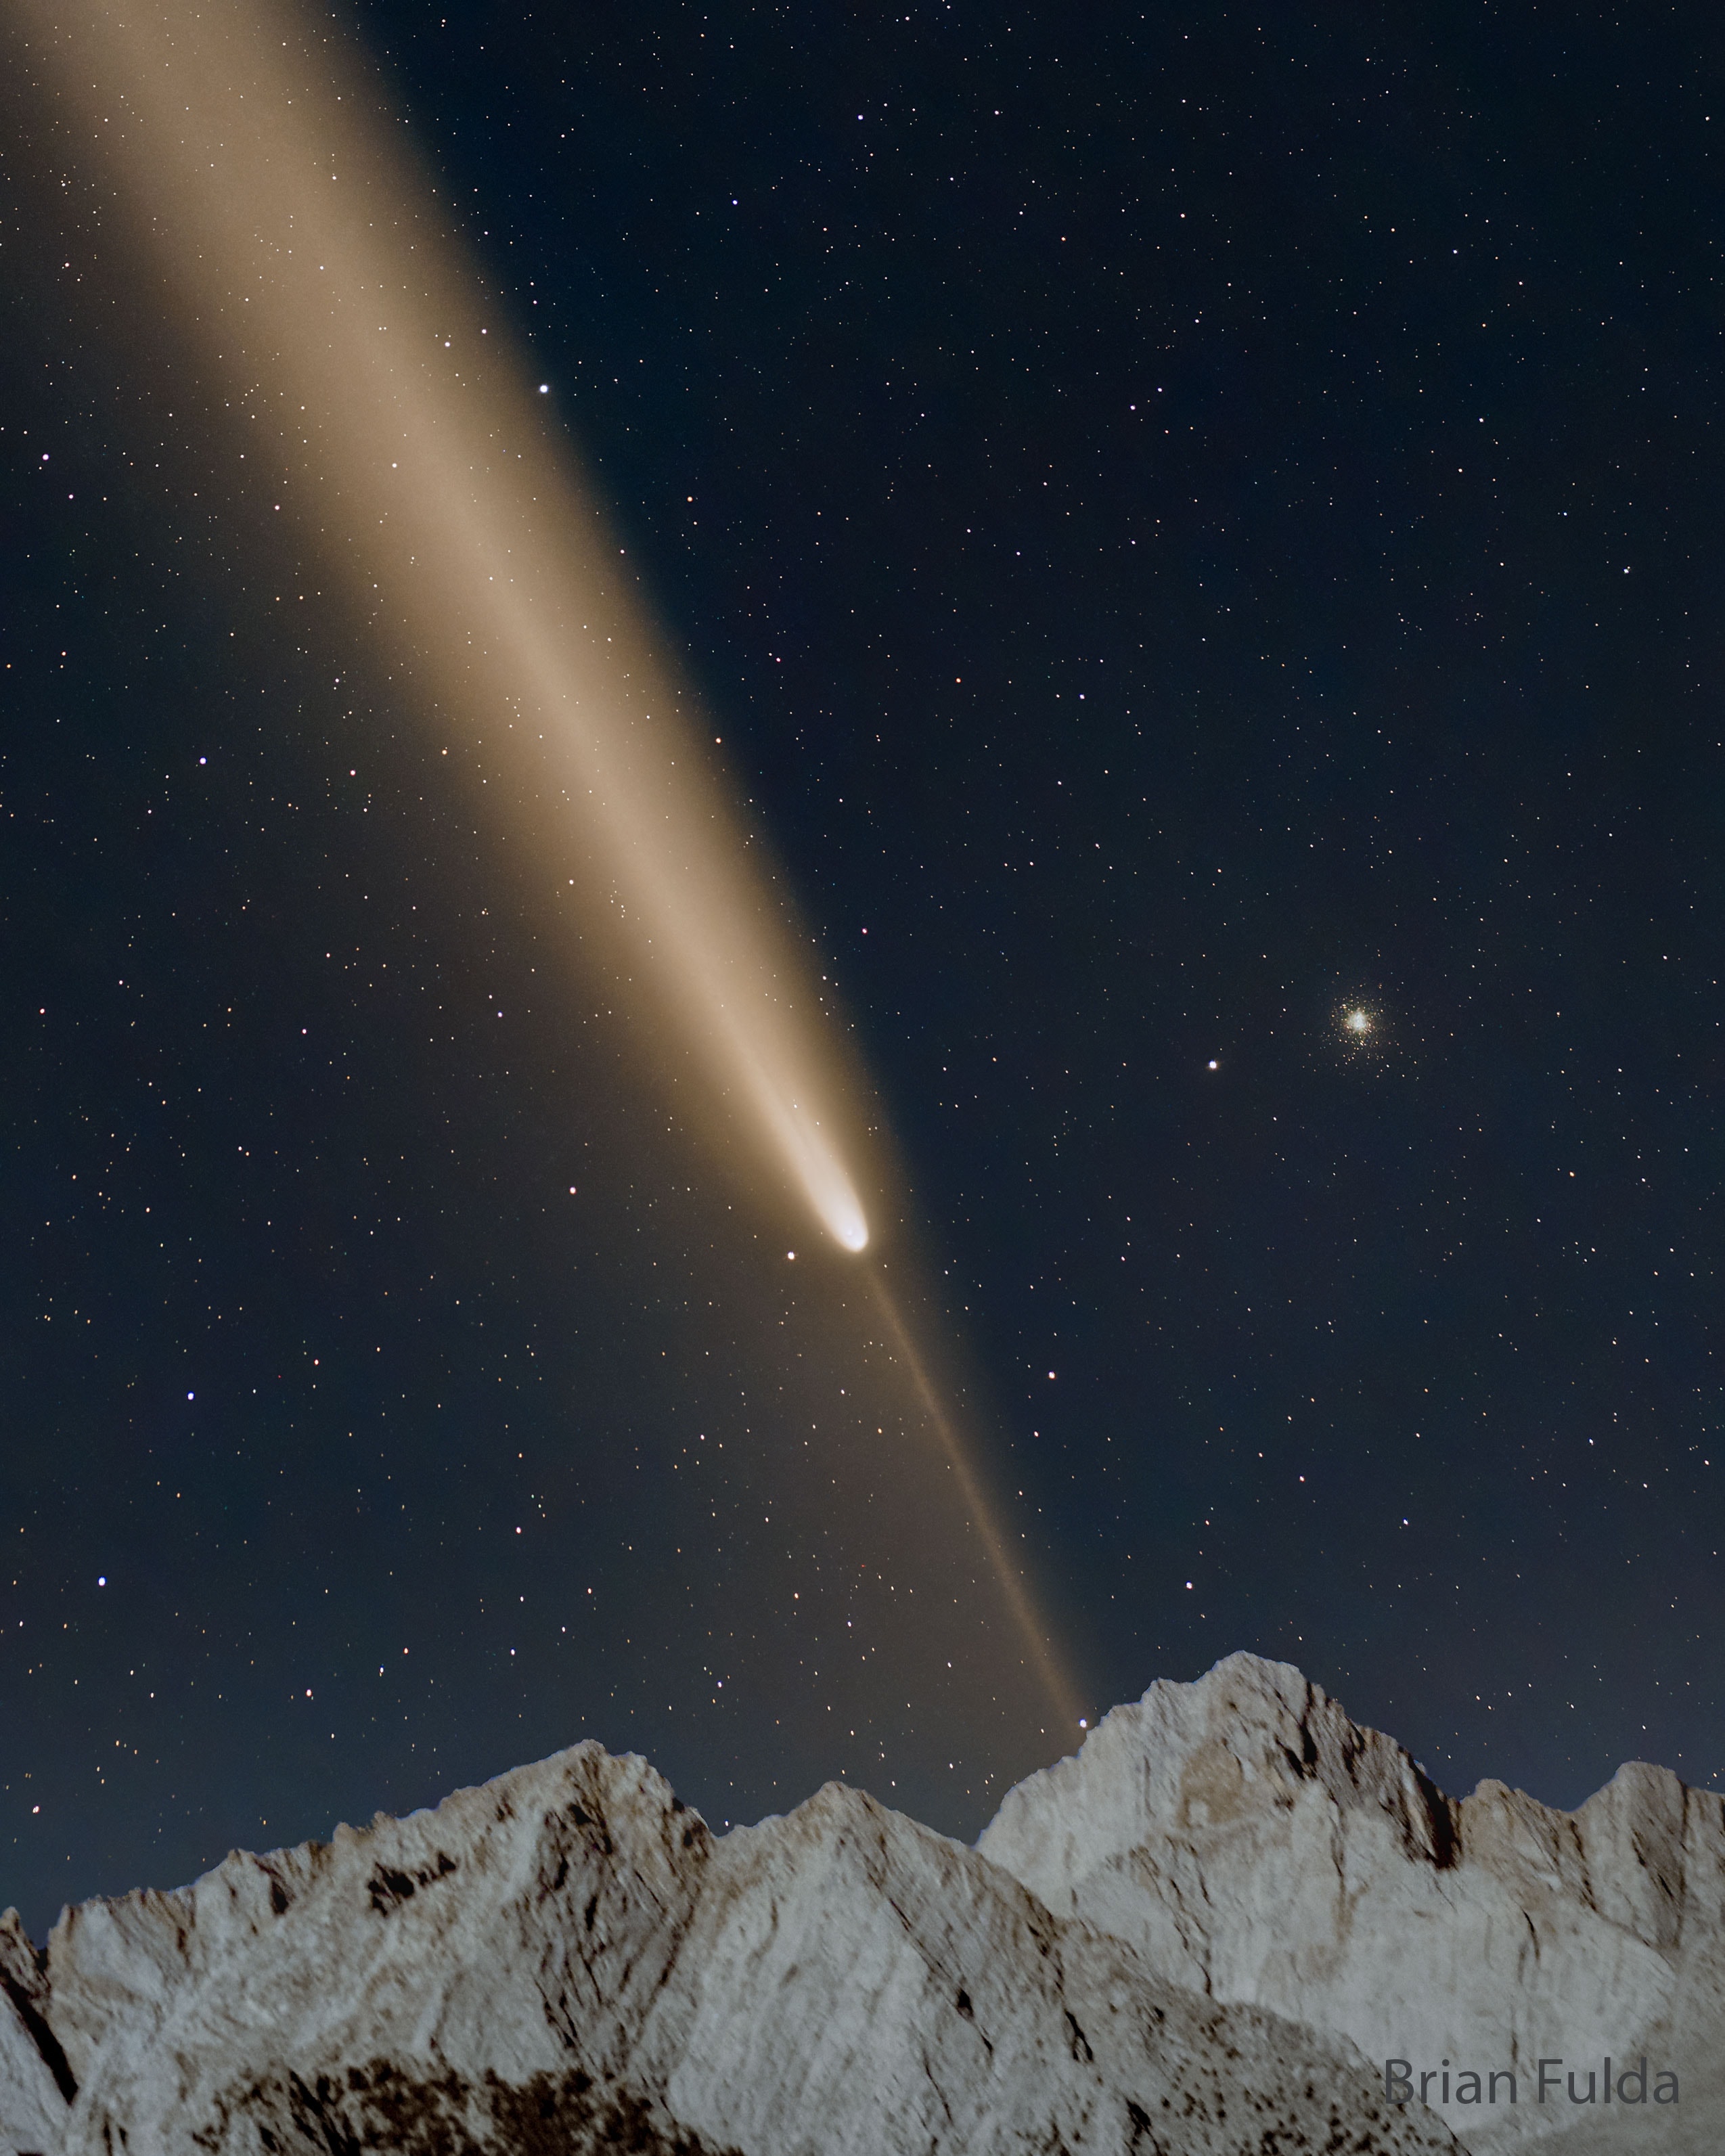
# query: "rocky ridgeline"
[[1256, 1846], [1173, 1943]]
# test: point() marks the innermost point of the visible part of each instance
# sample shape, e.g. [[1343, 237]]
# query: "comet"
[[308, 261], [289, 237]]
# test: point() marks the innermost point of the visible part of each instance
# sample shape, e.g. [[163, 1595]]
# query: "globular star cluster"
[[1360, 1030], [1198, 541]]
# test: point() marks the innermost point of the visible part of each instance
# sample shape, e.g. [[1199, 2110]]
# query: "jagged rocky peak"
[[1255, 1844], [567, 1960], [1249, 1738], [1203, 1936]]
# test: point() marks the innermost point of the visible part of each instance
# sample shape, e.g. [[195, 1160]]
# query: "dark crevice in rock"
[[389, 1889], [48, 2045], [383, 2106]]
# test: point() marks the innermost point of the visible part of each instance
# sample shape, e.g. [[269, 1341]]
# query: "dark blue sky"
[[1187, 529]]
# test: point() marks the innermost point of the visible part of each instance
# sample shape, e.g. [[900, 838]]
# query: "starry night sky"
[[1186, 531]]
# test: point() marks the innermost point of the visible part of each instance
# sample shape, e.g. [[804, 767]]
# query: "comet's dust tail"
[[306, 261], [293, 243]]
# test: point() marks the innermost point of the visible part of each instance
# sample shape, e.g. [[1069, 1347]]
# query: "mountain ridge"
[[568, 1958], [1258, 1846]]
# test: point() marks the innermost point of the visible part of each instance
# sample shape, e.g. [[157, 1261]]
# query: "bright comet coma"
[[293, 249], [298, 254]]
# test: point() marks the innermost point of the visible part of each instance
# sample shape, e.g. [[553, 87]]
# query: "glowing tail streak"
[[1055, 1681], [291, 240], [289, 235]]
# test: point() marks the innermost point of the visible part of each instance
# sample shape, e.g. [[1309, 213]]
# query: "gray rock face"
[[1256, 1846], [1201, 1936], [567, 1960], [36, 2081]]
